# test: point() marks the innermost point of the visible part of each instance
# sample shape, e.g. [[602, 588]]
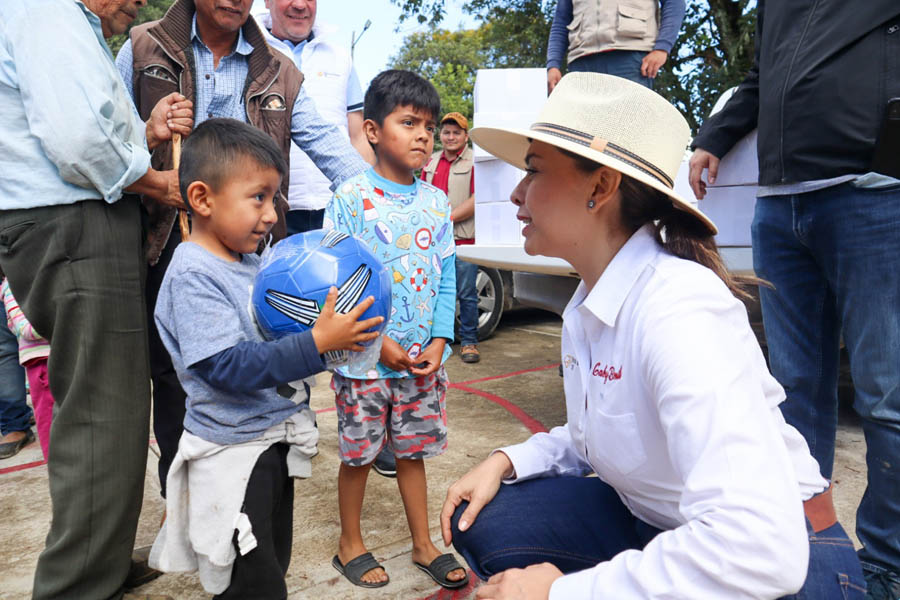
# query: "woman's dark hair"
[[676, 230]]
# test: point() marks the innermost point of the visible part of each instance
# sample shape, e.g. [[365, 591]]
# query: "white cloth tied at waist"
[[205, 492]]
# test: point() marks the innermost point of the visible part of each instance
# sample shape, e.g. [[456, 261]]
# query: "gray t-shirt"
[[202, 310]]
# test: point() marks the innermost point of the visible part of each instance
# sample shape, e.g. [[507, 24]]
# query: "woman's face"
[[552, 200]]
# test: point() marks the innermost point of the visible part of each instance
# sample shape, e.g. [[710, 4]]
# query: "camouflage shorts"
[[418, 419]]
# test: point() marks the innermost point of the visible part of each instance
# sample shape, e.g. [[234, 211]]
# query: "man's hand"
[[701, 159], [530, 583], [652, 62], [553, 77], [172, 114], [161, 186], [393, 356], [430, 359]]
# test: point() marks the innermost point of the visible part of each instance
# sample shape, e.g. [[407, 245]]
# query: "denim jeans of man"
[[467, 294], [621, 63], [14, 412], [576, 523], [833, 258]]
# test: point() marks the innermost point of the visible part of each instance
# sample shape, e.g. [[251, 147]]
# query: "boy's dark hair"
[[210, 153], [394, 88]]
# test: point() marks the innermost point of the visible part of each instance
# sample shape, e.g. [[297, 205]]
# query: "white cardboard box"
[[509, 98]]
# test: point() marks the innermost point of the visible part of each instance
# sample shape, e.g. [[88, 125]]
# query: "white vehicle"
[[508, 276]]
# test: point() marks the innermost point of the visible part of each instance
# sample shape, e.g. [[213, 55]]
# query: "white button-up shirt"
[[669, 401]]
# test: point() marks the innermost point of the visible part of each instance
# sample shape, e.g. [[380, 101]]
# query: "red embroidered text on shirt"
[[607, 372]]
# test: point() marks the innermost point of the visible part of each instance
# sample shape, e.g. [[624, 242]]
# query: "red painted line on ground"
[[527, 420], [23, 467], [505, 375], [324, 410]]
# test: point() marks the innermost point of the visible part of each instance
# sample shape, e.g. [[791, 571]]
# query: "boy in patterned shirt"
[[406, 223]]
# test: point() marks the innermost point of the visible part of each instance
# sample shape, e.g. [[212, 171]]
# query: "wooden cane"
[[183, 224]]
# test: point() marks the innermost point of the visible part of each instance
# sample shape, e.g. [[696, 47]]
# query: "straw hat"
[[609, 120]]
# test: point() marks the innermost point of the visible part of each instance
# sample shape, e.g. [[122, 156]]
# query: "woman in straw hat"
[[702, 487]]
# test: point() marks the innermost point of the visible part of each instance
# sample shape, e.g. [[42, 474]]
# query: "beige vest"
[[458, 184], [599, 25]]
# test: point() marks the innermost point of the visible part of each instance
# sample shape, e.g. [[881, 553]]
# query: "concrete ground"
[[513, 391]]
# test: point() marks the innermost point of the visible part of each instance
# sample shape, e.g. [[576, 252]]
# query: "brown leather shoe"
[[14, 441], [469, 353], [140, 572]]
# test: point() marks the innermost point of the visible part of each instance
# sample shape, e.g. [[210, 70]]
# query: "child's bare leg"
[[414, 491], [351, 491]]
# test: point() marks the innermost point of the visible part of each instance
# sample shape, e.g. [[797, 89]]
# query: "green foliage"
[[154, 10], [449, 60], [713, 52], [512, 34]]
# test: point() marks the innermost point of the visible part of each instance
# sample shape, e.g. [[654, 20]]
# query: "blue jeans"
[[833, 257], [467, 294], [577, 522], [621, 63], [14, 412]]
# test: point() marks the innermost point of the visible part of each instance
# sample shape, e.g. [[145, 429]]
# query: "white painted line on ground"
[[557, 335]]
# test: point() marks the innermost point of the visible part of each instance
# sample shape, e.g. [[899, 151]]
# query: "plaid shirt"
[[219, 94]]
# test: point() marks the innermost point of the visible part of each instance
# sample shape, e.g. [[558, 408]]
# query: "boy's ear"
[[199, 196], [371, 130]]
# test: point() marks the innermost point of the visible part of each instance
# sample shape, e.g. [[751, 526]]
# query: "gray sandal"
[[441, 567], [356, 568]]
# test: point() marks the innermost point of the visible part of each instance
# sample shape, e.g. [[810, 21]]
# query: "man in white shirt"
[[330, 80]]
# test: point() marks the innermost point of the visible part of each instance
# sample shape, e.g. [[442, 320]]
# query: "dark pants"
[[575, 523], [269, 504], [168, 397], [299, 221], [77, 272]]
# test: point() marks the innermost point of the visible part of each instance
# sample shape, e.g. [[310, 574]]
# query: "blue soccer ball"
[[291, 286]]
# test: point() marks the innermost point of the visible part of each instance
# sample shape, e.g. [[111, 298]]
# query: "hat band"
[[605, 147]]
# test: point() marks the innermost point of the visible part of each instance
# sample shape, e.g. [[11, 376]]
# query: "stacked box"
[[509, 98]]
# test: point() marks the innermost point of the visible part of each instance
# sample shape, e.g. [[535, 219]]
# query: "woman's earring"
[[590, 204]]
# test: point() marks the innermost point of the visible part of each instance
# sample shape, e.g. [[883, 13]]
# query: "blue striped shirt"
[[219, 93]]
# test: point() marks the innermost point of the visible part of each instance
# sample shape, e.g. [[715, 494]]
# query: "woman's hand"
[[430, 359], [393, 356], [478, 487], [530, 583]]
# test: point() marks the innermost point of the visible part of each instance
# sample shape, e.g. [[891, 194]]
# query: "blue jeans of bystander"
[[467, 294], [14, 412], [621, 63], [833, 257]]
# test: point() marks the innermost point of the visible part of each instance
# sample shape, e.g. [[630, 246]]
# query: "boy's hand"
[[430, 359], [393, 356], [336, 331]]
